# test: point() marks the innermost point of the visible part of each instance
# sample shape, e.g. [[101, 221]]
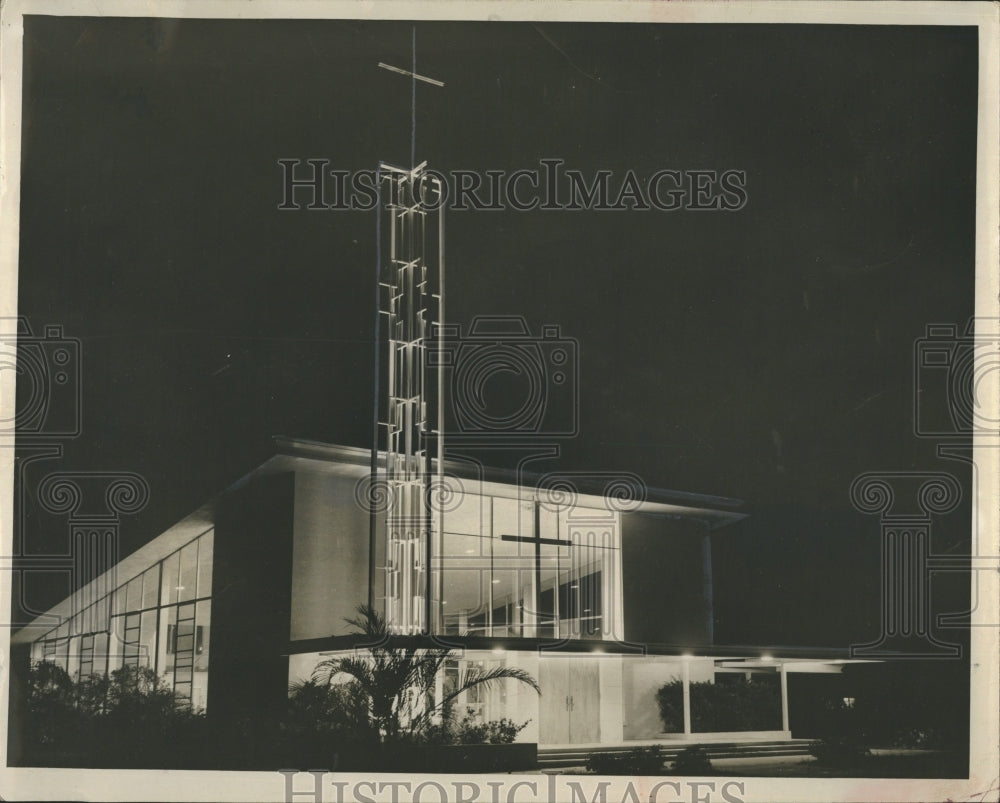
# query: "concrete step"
[[569, 757]]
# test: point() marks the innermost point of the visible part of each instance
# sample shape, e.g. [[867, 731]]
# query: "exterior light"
[[496, 582]]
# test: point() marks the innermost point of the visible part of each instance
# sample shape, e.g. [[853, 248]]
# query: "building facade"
[[603, 596]]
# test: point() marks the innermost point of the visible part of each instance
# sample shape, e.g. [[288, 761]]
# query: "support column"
[[612, 726], [706, 586], [687, 697], [784, 698]]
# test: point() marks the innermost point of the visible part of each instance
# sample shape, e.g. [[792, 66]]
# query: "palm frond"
[[474, 676], [358, 668], [368, 622]]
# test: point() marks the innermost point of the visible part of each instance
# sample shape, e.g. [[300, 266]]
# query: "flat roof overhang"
[[751, 656], [715, 511]]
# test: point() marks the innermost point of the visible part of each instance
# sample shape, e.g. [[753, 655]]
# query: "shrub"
[[738, 705], [469, 730], [640, 761], [670, 698], [495, 731], [844, 742], [917, 737], [839, 751], [330, 707], [128, 719], [692, 760]]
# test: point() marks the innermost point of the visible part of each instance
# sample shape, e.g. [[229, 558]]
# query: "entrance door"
[[570, 705]]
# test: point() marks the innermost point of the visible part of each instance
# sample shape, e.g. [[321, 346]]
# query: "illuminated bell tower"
[[408, 415]]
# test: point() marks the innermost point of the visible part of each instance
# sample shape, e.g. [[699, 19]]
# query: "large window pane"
[[165, 648], [86, 656], [147, 640], [116, 649], [512, 518], [551, 563], [100, 653], [170, 579], [203, 620], [131, 639], [101, 614], [464, 605], [62, 653], [73, 656], [506, 601], [151, 587], [513, 567], [187, 584], [468, 517], [118, 601], [205, 553], [593, 558], [185, 644], [133, 595], [464, 566]]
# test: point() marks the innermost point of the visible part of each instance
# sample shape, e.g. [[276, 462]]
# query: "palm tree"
[[399, 682]]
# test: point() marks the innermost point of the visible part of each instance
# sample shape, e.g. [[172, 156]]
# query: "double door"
[[570, 704]]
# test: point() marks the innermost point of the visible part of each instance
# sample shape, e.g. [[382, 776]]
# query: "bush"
[[840, 751], [692, 760], [640, 761], [469, 730], [844, 742], [495, 731], [740, 705], [670, 699], [128, 719], [922, 738], [329, 707], [325, 724]]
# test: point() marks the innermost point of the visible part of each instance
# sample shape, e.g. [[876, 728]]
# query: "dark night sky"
[[763, 354]]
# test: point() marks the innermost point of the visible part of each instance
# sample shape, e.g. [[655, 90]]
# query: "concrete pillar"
[[687, 697], [612, 729], [706, 586], [784, 698]]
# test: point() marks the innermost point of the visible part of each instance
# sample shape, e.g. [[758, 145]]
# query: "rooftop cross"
[[414, 77]]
